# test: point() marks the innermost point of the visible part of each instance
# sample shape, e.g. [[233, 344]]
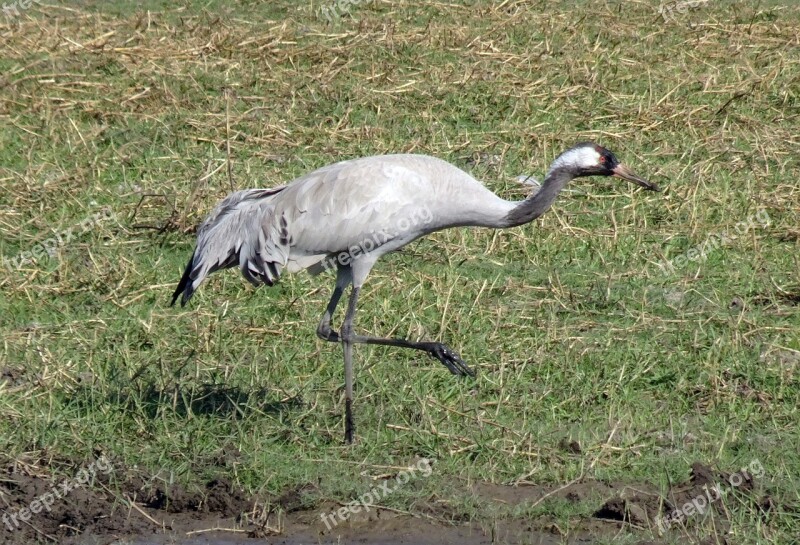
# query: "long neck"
[[538, 203]]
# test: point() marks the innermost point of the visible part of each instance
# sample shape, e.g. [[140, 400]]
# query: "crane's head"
[[590, 159]]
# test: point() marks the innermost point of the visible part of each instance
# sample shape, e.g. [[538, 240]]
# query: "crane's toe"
[[451, 360]]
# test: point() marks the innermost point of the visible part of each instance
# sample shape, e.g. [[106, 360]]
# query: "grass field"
[[619, 339]]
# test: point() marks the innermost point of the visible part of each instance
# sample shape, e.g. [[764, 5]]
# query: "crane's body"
[[371, 204], [348, 214]]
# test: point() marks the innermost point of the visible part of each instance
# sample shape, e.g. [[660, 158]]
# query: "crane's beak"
[[621, 171]]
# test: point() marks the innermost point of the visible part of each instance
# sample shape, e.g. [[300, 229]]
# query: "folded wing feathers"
[[242, 230]]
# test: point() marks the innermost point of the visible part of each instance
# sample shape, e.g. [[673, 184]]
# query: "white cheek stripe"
[[581, 157]]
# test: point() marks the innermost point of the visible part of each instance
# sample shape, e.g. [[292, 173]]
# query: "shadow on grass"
[[153, 400], [210, 399]]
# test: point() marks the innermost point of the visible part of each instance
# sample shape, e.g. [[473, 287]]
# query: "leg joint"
[[346, 333], [324, 330]]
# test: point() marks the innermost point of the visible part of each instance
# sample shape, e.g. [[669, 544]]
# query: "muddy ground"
[[140, 509]]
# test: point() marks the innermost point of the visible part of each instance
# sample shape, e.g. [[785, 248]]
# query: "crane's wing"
[[242, 230], [377, 198]]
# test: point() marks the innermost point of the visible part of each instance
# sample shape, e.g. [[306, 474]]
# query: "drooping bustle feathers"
[[242, 230]]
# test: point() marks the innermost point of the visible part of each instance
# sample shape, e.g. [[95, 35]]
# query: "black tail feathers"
[[185, 285]]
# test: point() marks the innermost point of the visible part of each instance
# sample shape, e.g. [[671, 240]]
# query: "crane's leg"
[[344, 276], [324, 330], [442, 352], [347, 344]]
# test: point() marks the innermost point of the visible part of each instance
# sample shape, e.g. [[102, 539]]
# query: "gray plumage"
[[347, 215]]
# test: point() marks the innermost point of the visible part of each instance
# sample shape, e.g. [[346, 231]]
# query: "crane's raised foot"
[[450, 359]]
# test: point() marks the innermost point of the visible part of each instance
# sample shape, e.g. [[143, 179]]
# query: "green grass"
[[575, 329]]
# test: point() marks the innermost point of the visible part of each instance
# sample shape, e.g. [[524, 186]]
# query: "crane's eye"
[[602, 159]]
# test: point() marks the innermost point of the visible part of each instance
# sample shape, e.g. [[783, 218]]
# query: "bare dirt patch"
[[143, 509], [40, 508]]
